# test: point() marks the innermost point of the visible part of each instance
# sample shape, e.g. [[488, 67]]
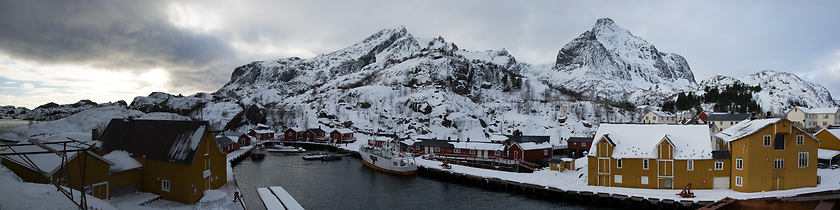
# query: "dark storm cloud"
[[130, 35]]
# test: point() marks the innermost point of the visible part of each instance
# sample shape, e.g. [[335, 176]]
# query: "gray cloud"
[[118, 35]]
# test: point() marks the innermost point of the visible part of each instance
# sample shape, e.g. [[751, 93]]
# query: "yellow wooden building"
[[829, 138], [770, 154], [41, 168], [656, 157], [180, 159]]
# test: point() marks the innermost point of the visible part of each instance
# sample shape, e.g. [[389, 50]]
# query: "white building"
[[659, 117], [814, 117]]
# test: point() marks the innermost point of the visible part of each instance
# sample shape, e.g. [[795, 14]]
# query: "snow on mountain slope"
[[82, 122], [780, 91], [608, 62]]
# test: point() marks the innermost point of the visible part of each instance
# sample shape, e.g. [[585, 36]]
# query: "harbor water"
[[348, 184]]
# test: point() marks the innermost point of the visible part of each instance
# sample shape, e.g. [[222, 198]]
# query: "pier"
[[276, 198]]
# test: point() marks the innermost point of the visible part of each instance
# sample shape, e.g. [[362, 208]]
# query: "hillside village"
[[762, 134]]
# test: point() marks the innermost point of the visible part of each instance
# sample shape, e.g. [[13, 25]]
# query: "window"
[[437, 149], [739, 163], [739, 181], [779, 163], [545, 152], [825, 123], [645, 164], [618, 163], [457, 150], [780, 142], [825, 117], [803, 159], [660, 118], [800, 139], [164, 185], [618, 179], [730, 123], [472, 151], [690, 165], [767, 140], [583, 144], [644, 180], [718, 165], [646, 117], [498, 153]]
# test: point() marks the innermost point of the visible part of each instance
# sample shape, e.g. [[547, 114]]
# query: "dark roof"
[[165, 140], [581, 139], [433, 143], [233, 133], [223, 141], [721, 155], [535, 139], [555, 160], [728, 117], [317, 130]]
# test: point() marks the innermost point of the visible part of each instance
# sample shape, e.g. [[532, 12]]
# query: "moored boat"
[[258, 152], [286, 149], [331, 157], [315, 156], [383, 154]]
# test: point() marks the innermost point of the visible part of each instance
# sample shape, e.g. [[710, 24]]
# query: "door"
[[604, 180], [666, 168], [720, 183], [667, 184], [778, 183], [516, 155], [603, 166]]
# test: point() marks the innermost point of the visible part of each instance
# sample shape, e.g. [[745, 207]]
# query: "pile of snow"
[[122, 161], [15, 194]]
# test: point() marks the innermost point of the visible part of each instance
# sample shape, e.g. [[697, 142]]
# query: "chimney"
[[94, 134]]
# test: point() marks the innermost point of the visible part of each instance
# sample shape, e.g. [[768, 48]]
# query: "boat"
[[315, 156], [258, 152], [331, 157], [286, 149], [383, 154]]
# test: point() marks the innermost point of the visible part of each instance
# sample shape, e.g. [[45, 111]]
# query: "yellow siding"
[[758, 170], [25, 173], [828, 141], [96, 171]]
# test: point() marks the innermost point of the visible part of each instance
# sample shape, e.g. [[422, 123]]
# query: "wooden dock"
[[276, 198]]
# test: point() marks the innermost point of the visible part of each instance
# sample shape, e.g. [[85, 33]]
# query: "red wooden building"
[[293, 134], [578, 144], [342, 136], [262, 134], [315, 135], [533, 152]]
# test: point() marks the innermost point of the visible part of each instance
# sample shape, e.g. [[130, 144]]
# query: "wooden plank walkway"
[[276, 198]]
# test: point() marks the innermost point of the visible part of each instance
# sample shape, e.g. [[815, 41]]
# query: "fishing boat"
[[384, 154], [315, 156], [258, 152], [331, 157]]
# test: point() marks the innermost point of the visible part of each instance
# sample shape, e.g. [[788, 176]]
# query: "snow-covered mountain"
[[608, 62], [779, 90], [53, 111]]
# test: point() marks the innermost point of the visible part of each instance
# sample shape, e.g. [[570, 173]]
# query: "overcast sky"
[[65, 51]]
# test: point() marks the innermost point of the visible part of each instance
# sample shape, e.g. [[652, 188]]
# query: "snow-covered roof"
[[122, 161], [745, 128], [344, 131], [640, 140], [728, 117], [533, 146], [834, 131], [49, 163], [296, 129], [662, 113], [263, 131], [830, 110], [496, 137], [173, 141], [826, 154], [478, 145]]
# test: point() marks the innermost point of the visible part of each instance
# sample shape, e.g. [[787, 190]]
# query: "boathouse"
[[343, 135], [180, 159], [656, 156], [577, 145], [533, 152], [477, 150], [262, 134], [433, 146], [770, 154]]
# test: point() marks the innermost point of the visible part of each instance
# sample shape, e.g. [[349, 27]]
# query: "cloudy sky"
[[65, 51]]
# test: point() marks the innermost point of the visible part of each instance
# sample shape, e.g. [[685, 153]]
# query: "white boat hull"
[[394, 165]]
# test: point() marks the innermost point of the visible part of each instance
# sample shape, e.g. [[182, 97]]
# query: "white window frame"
[[437, 149], [472, 151], [768, 141], [800, 139], [690, 165], [583, 144], [779, 163], [165, 185], [617, 179], [739, 181], [545, 151], [803, 159], [644, 180], [498, 153], [739, 163], [457, 150], [645, 164], [618, 163], [718, 165]]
